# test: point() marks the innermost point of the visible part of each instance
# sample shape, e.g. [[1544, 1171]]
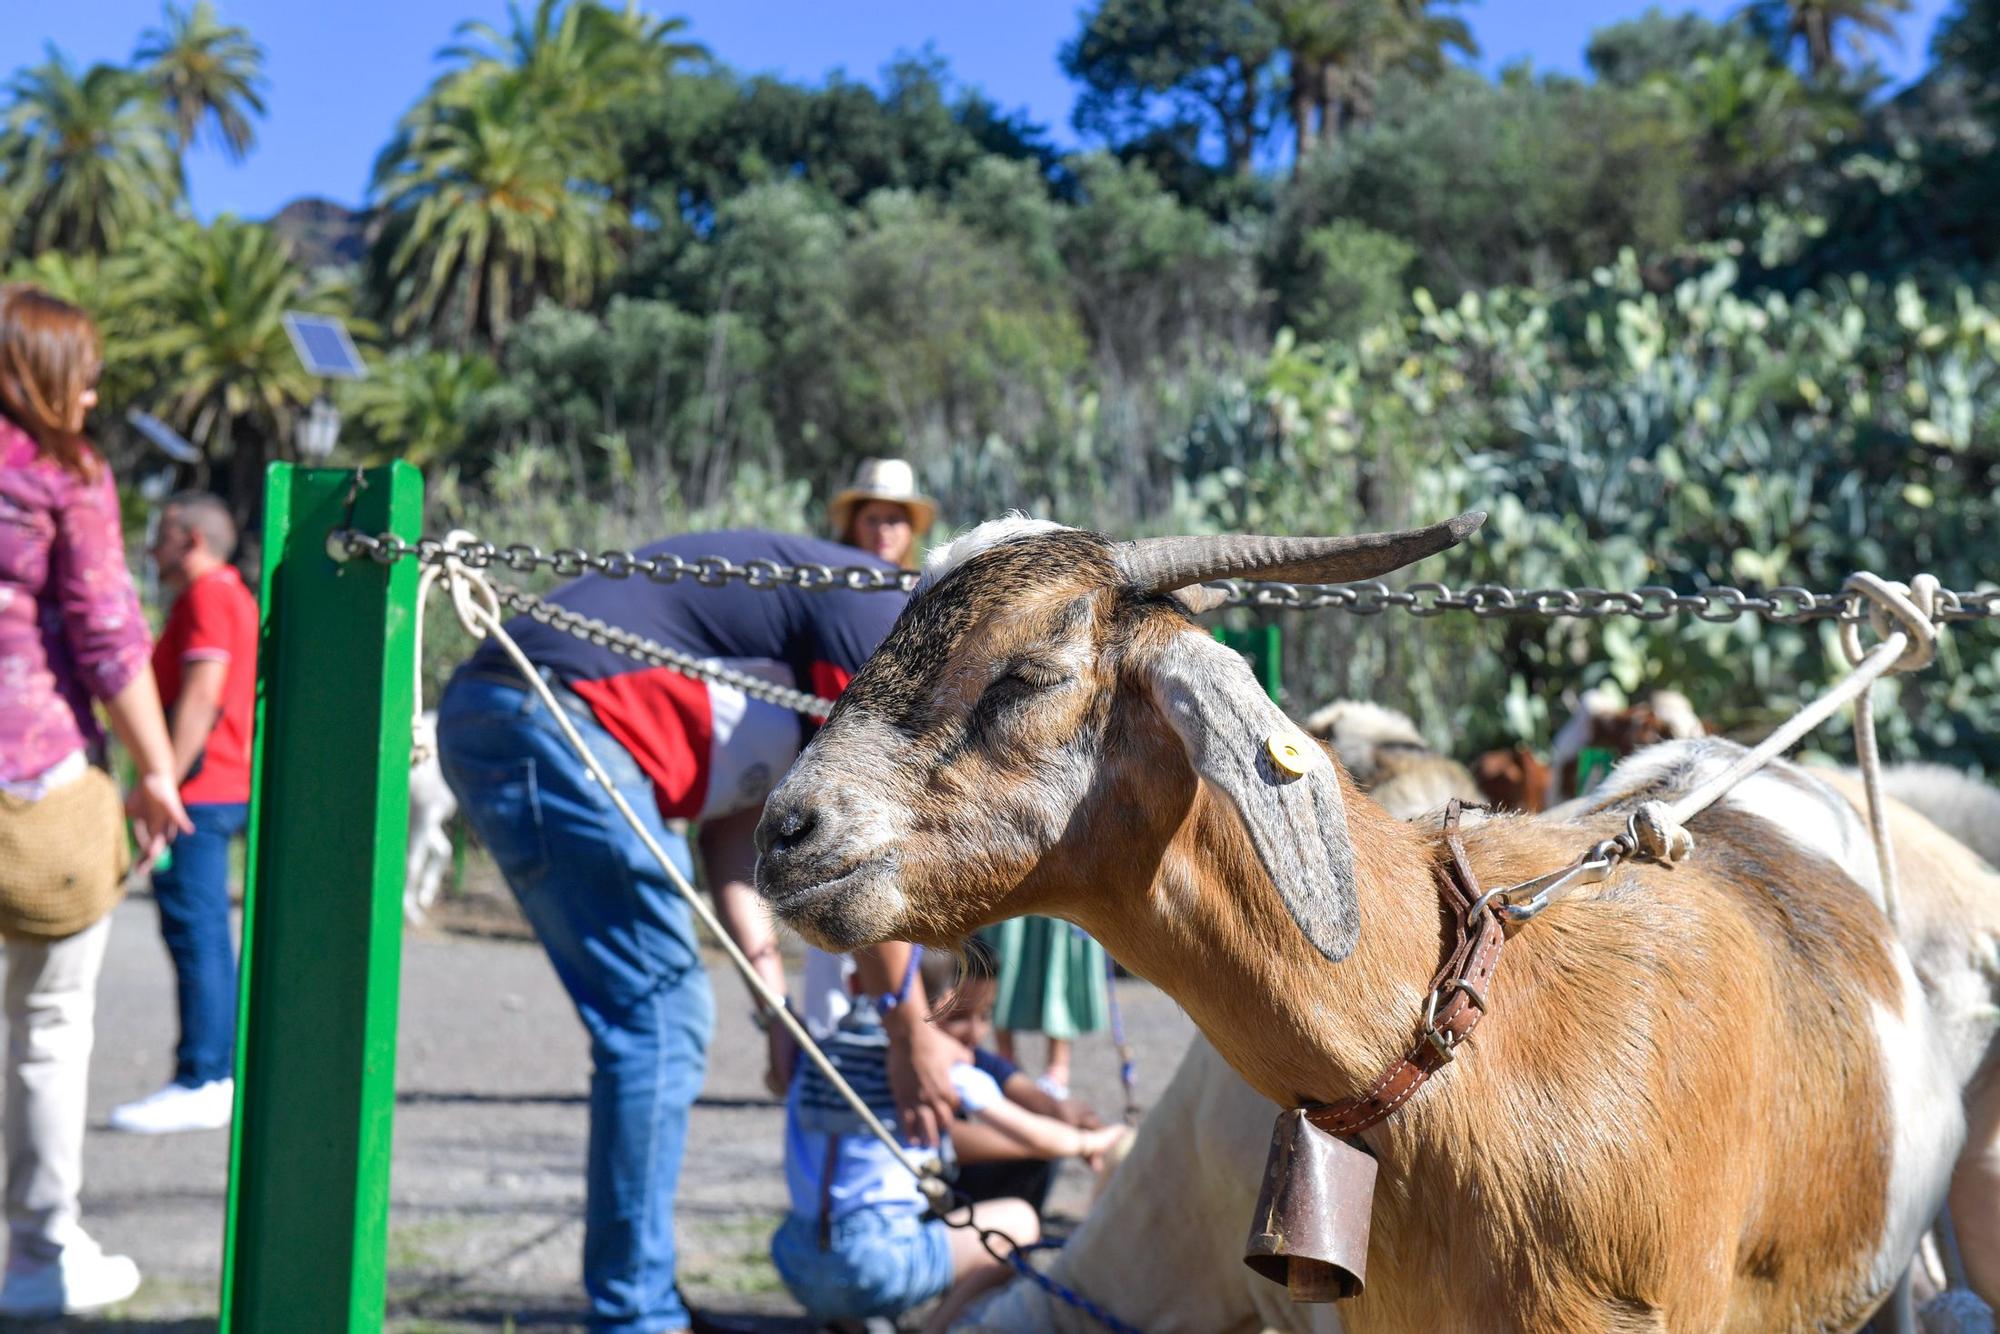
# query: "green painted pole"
[[307, 1234], [1260, 645]]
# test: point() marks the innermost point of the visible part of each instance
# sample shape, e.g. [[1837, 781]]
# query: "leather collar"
[[1457, 999]]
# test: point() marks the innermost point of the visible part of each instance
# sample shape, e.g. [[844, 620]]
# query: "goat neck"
[[1203, 921]]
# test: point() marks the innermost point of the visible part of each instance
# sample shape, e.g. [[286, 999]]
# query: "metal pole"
[[307, 1233], [1259, 644]]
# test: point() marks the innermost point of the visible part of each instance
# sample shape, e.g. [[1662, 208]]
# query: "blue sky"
[[341, 74]]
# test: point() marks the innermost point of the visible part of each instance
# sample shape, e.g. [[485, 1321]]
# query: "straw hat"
[[883, 479]]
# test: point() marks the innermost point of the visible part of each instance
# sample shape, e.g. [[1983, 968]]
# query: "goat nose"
[[786, 828]]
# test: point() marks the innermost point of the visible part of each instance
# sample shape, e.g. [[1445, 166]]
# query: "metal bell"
[[1310, 1231]]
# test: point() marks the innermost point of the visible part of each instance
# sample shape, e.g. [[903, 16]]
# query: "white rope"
[[478, 610], [1903, 617]]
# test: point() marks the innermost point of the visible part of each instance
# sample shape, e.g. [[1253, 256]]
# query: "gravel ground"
[[487, 1191]]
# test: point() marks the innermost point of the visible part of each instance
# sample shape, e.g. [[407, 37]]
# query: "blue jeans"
[[877, 1262], [623, 944], [193, 897]]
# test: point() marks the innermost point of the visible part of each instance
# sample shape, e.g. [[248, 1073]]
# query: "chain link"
[[1785, 605], [574, 562], [642, 649]]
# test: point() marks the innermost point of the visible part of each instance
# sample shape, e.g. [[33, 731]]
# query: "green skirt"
[[1051, 977]]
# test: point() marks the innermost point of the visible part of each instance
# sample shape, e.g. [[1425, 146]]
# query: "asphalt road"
[[486, 1223]]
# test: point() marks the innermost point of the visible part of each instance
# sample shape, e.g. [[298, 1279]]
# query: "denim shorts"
[[879, 1262]]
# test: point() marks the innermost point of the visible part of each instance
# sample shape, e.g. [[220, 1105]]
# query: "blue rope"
[[1019, 1259]]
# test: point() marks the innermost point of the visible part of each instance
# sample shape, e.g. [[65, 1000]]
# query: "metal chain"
[[642, 649], [573, 562], [1652, 602]]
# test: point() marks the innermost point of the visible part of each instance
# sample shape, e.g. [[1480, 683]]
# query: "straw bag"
[[62, 858]]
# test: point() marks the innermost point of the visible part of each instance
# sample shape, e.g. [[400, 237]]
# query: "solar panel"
[[323, 346], [164, 438]]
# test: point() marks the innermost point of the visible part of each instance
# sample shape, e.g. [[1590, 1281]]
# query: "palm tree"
[[202, 69], [91, 158], [232, 383], [489, 202], [572, 65], [1818, 24], [578, 59], [498, 187], [418, 404], [1339, 49]]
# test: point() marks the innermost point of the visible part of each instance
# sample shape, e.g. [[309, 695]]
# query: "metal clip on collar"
[[1525, 901]]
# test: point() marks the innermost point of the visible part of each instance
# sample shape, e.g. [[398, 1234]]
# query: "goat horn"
[[1163, 564]]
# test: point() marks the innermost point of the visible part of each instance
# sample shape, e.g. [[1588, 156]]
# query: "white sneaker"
[[178, 1107], [82, 1278]]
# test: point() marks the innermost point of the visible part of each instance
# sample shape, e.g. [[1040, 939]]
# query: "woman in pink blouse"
[[70, 632]]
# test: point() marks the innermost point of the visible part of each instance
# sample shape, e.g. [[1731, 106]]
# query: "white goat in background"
[[432, 805], [1955, 802], [1385, 753]]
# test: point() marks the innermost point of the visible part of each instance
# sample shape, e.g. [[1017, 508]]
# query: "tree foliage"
[[712, 134], [1701, 317], [1337, 52], [501, 185], [1818, 27], [212, 298], [88, 156], [1211, 62], [483, 213], [205, 72]]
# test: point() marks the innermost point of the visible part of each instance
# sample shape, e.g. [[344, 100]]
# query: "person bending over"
[[623, 942]]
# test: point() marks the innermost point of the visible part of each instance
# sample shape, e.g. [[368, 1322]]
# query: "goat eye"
[[1039, 675]]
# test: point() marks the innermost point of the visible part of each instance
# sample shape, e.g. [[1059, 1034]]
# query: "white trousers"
[[51, 1024]]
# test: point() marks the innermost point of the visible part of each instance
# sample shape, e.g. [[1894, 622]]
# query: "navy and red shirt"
[[681, 730]]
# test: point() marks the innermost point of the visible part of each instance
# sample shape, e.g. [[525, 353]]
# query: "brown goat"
[[1602, 723], [1712, 1097], [1514, 779]]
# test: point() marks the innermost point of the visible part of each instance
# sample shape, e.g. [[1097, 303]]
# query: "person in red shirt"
[[206, 663]]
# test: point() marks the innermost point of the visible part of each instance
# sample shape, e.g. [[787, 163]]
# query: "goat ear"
[[1297, 821]]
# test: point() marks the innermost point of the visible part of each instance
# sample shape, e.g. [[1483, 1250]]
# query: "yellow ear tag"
[[1290, 753]]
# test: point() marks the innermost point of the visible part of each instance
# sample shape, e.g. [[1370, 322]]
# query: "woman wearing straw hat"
[[882, 511]]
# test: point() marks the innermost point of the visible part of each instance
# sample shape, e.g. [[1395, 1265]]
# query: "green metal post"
[[1260, 645], [307, 1234]]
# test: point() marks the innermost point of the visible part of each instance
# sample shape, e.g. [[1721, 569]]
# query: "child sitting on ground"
[[994, 1163], [859, 1241]]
